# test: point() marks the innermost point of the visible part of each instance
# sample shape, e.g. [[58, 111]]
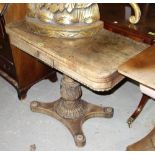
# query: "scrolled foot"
[[34, 105], [109, 111], [80, 140]]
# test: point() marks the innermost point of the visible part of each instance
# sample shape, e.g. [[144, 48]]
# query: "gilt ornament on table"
[[68, 20], [64, 20]]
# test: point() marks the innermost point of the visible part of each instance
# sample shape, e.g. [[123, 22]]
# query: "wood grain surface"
[[91, 61], [141, 68]]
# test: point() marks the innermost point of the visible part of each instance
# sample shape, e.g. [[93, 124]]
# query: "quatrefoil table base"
[[71, 110]]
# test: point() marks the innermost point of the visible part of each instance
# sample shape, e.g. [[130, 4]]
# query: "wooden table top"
[[91, 61], [141, 68]]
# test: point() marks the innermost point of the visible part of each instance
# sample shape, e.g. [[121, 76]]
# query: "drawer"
[[7, 67]]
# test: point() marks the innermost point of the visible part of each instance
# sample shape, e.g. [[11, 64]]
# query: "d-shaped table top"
[[91, 61]]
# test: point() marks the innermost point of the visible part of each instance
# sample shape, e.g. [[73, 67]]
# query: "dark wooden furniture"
[[138, 110], [141, 68], [116, 19], [17, 67]]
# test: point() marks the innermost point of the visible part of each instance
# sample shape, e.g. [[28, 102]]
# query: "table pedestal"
[[71, 110]]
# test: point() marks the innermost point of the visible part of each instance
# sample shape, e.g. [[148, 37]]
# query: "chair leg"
[[138, 110]]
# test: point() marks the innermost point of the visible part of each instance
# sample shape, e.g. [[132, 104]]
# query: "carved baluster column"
[[70, 105]]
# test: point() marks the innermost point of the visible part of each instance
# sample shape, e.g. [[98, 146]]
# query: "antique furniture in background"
[[17, 67], [116, 19], [92, 62], [141, 68]]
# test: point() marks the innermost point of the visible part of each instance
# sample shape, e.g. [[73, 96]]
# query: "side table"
[[90, 61], [141, 68]]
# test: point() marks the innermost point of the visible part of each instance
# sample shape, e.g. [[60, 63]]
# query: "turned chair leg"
[[138, 110]]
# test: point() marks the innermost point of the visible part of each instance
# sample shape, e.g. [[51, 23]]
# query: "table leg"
[[138, 110], [71, 110]]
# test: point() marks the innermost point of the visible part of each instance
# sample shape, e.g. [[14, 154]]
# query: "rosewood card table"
[[91, 61]]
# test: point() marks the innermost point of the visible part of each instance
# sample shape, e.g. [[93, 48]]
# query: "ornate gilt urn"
[[68, 20], [64, 20]]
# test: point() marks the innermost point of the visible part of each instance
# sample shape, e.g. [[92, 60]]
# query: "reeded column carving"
[[70, 104]]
